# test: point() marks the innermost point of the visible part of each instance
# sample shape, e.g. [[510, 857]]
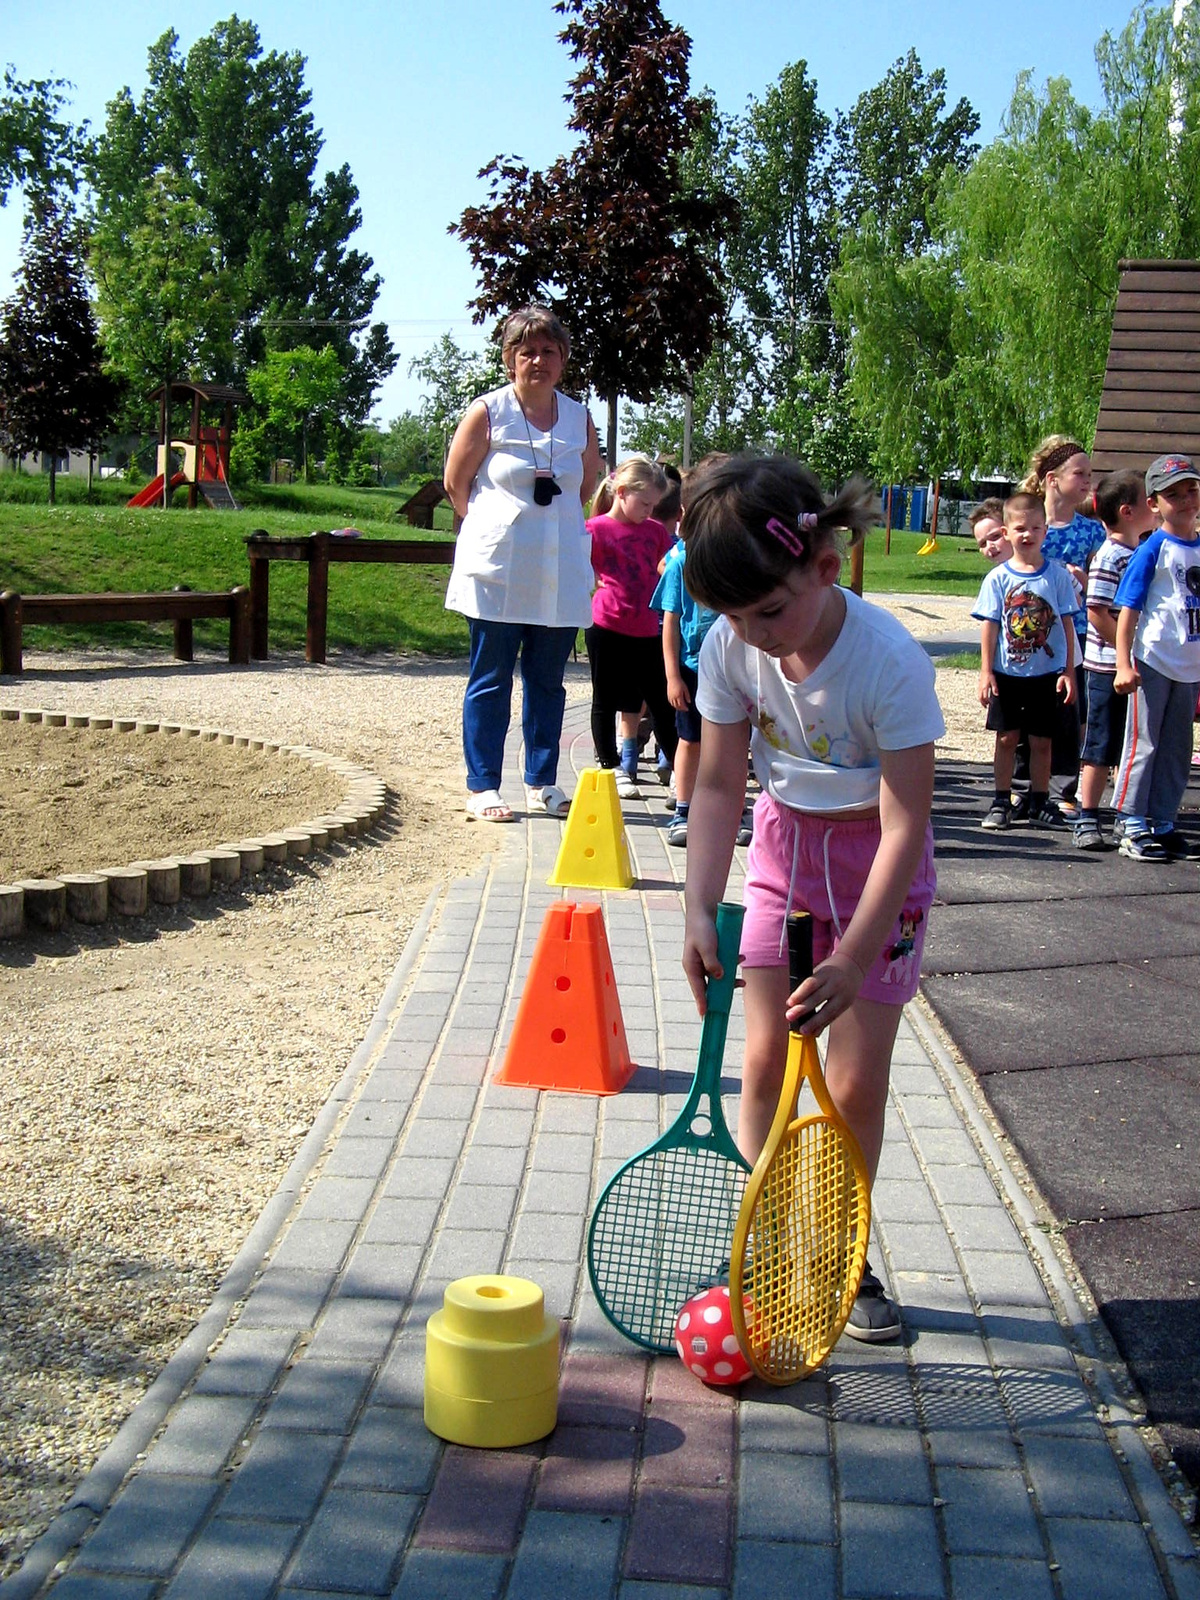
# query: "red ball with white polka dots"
[[706, 1341]]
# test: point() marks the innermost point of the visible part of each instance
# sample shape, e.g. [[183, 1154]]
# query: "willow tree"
[[997, 332], [605, 235]]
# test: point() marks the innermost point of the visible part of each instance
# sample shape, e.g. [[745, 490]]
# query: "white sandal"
[[486, 805], [546, 800]]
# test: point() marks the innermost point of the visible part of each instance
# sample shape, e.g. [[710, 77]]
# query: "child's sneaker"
[[663, 768], [873, 1317], [1141, 847], [1019, 809], [746, 832], [996, 816], [1178, 846], [627, 785], [1086, 835], [1045, 814], [677, 831]]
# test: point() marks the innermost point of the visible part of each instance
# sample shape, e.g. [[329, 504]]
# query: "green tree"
[[605, 235], [298, 390], [231, 126], [453, 377], [997, 332], [38, 150], [54, 393], [166, 308]]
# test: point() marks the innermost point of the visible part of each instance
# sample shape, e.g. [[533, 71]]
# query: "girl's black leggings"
[[627, 672]]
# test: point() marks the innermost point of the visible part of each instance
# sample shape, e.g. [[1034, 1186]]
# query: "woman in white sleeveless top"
[[523, 462]]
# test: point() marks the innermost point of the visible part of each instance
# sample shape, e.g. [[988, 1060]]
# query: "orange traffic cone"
[[569, 1033]]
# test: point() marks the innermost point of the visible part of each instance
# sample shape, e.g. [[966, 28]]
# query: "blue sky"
[[418, 98]]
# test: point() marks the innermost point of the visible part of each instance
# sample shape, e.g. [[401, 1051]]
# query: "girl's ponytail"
[[603, 499], [854, 511]]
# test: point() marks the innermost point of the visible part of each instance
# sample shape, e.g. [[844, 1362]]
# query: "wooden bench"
[[319, 549], [179, 606]]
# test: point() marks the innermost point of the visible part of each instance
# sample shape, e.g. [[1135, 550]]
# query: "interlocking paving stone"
[[1077, 1478], [477, 1501], [315, 1245], [771, 1419], [602, 1390], [147, 1527], [891, 1550], [566, 1554], [785, 1497], [880, 1464], [319, 1396], [278, 1482], [236, 1560], [988, 1513], [391, 1448], [201, 1435], [354, 1542], [587, 1470], [680, 1535], [688, 1444], [90, 1586], [1103, 1560], [355, 1330], [450, 1575], [403, 1221], [382, 1270], [768, 1569], [286, 1297], [248, 1362], [995, 1578]]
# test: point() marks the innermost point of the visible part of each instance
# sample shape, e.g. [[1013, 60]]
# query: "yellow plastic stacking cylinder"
[[491, 1364]]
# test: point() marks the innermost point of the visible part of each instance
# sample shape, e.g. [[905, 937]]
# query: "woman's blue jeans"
[[487, 704]]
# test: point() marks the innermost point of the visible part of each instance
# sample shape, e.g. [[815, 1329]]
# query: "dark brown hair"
[[733, 556], [1124, 488], [992, 507]]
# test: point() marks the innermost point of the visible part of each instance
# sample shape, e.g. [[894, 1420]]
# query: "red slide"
[[151, 495]]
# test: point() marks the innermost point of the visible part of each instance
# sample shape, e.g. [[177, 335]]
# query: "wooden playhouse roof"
[[182, 389], [1151, 398]]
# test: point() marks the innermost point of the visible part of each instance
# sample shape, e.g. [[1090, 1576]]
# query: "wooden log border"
[[49, 904]]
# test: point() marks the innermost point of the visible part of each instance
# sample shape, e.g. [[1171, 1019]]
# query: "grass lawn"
[[79, 548], [75, 547]]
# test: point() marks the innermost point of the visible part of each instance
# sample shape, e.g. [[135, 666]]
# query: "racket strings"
[[807, 1238], [661, 1235]]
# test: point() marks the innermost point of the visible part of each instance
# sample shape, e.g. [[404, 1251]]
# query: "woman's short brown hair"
[[532, 322]]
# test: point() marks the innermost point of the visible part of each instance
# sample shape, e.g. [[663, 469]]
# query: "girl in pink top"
[[623, 643]]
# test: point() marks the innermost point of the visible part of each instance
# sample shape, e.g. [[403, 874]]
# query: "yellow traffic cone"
[[593, 853]]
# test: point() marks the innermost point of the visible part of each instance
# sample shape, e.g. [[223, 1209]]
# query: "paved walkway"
[[283, 1452]]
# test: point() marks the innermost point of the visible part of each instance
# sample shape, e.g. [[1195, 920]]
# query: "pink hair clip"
[[788, 537]]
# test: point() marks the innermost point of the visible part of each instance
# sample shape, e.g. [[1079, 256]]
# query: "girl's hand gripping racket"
[[800, 1244], [661, 1230]]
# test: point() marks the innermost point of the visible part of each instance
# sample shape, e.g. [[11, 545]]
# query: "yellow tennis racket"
[[800, 1243]]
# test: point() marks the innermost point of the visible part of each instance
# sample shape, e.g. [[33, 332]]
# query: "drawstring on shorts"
[[787, 910]]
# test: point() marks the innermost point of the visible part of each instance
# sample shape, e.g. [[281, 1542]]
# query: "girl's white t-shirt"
[[816, 744]]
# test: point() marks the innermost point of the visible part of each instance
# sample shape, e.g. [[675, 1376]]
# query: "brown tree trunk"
[[611, 460], [53, 465]]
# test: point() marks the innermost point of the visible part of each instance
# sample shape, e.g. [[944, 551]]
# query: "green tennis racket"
[[661, 1231]]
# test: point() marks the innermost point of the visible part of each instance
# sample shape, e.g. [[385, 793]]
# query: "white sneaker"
[[626, 786]]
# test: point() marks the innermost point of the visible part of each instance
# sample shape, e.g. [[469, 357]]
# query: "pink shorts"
[[815, 864]]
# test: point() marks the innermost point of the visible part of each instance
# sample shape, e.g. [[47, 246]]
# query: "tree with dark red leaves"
[[604, 235]]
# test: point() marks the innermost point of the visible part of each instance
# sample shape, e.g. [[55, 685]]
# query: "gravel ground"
[[156, 1078]]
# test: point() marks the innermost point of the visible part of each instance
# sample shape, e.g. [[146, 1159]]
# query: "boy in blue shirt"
[[1027, 657], [1158, 663], [684, 626]]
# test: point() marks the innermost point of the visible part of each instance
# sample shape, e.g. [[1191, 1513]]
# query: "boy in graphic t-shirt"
[[1027, 658]]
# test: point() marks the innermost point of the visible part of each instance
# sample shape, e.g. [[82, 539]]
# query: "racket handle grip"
[[800, 955]]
